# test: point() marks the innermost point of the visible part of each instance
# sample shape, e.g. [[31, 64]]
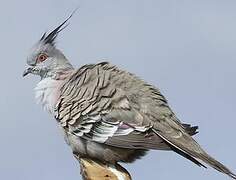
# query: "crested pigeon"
[[107, 113]]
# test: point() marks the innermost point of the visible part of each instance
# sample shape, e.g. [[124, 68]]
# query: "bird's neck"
[[56, 72], [47, 91]]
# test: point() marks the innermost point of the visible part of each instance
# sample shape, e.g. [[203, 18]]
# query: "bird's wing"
[[105, 104], [92, 105]]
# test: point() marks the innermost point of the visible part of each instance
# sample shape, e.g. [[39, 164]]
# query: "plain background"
[[187, 48]]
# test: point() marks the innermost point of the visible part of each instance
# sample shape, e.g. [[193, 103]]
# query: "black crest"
[[50, 38]]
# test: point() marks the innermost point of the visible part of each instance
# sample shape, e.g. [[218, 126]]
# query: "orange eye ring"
[[42, 57]]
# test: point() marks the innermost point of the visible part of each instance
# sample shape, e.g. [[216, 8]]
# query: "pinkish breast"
[[47, 93]]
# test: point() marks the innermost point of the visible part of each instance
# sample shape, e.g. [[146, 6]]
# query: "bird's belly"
[[102, 152], [77, 144]]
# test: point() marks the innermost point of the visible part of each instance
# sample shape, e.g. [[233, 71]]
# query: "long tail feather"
[[196, 155]]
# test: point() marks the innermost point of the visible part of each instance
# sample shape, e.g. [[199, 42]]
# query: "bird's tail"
[[216, 164], [187, 147]]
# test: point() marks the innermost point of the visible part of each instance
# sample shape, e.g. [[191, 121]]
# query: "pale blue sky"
[[186, 48]]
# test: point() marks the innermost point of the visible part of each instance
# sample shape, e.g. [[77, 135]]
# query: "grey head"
[[44, 58]]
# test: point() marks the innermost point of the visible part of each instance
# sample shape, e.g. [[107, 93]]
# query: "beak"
[[27, 71]]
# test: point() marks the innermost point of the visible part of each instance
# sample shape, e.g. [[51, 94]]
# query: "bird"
[[107, 113]]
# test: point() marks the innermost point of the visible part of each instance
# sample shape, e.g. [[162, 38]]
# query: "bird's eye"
[[42, 57]]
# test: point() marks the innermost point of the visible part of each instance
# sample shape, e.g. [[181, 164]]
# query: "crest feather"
[[50, 38]]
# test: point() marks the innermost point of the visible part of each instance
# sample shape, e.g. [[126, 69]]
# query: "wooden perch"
[[95, 170]]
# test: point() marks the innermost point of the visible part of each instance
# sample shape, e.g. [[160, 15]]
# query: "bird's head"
[[44, 58]]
